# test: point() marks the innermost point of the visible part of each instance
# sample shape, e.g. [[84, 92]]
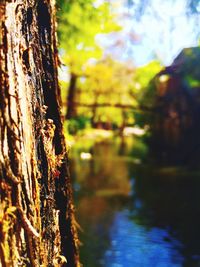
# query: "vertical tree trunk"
[[71, 108], [123, 125], [36, 211]]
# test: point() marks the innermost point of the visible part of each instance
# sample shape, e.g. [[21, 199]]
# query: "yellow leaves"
[[78, 27], [99, 76], [75, 16], [108, 78]]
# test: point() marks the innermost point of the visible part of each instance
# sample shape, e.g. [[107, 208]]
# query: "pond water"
[[131, 213]]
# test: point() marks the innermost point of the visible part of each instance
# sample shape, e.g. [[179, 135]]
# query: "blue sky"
[[163, 30]]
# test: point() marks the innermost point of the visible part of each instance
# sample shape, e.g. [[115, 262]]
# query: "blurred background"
[[130, 84]]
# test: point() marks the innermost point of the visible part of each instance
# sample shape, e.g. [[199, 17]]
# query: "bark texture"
[[36, 210]]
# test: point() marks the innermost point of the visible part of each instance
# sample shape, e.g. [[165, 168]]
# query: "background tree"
[[79, 23], [108, 84], [36, 210]]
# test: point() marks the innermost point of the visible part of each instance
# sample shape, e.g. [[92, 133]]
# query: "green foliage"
[[144, 91], [106, 84], [142, 78], [79, 23], [78, 123], [191, 81], [101, 83]]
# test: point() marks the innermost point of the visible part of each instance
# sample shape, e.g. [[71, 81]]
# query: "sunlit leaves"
[[106, 84], [79, 22], [143, 76]]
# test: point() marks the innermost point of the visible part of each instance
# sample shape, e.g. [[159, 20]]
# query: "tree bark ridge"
[[36, 210]]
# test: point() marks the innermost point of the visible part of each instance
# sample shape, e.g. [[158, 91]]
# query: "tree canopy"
[[79, 23]]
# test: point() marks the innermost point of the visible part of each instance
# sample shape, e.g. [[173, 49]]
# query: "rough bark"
[[36, 210]]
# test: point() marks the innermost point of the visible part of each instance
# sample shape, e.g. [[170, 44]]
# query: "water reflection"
[[134, 245], [133, 214]]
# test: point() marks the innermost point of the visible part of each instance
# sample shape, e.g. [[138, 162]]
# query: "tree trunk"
[[36, 210], [94, 110], [71, 106]]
